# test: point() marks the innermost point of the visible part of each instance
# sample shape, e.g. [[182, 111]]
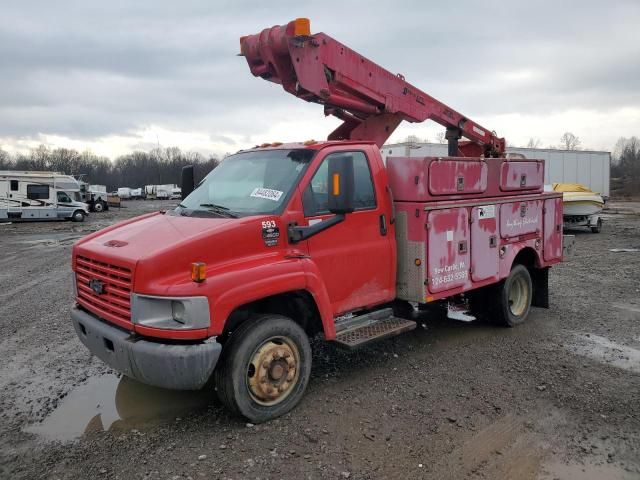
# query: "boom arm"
[[370, 100]]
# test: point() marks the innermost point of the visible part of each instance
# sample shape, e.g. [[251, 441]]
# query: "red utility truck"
[[282, 242]]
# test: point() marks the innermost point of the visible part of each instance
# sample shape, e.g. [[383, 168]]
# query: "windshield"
[[248, 183]]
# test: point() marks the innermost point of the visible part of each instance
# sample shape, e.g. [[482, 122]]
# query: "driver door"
[[355, 256]]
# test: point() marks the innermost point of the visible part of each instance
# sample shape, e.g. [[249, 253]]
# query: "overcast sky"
[[119, 75]]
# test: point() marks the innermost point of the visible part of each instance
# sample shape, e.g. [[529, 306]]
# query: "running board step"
[[363, 329]]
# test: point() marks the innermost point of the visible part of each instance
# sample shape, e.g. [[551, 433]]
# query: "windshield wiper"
[[219, 209]]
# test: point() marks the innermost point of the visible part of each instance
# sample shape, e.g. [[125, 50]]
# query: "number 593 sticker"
[[270, 233]]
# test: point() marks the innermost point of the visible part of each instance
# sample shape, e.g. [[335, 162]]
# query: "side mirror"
[[187, 181], [341, 184]]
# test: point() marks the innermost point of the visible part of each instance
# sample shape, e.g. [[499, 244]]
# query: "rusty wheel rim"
[[273, 371], [518, 296]]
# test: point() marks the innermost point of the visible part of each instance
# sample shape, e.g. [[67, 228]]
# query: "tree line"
[[137, 169]]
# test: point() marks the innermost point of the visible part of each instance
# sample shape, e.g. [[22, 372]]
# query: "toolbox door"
[[525, 175], [520, 218], [552, 229], [484, 243], [457, 177], [448, 249]]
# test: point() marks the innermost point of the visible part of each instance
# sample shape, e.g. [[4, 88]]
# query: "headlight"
[[178, 313]]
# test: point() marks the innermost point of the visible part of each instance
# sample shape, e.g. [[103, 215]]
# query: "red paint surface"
[[514, 221], [521, 175], [553, 229], [444, 176], [448, 267], [484, 257], [426, 179]]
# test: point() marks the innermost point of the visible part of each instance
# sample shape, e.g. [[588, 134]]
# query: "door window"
[[316, 196], [37, 192], [63, 198]]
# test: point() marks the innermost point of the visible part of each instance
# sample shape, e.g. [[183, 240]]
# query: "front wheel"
[[78, 216], [99, 207], [265, 368], [597, 227]]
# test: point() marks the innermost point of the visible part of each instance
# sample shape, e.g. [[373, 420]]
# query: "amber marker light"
[[198, 272], [302, 27], [336, 184]]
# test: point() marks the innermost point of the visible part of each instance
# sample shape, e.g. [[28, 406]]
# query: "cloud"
[[116, 75]]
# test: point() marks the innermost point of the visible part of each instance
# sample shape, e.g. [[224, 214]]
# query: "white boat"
[[580, 204]]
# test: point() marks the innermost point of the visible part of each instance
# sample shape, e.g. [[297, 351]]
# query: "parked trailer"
[[586, 167], [284, 241], [164, 192], [150, 192], [32, 196], [124, 192]]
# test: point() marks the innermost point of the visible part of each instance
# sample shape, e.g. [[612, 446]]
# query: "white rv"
[[40, 196]]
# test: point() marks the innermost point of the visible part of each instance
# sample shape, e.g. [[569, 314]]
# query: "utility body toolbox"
[[431, 178], [460, 222]]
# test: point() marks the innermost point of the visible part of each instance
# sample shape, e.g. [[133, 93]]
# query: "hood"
[[145, 236], [160, 248]]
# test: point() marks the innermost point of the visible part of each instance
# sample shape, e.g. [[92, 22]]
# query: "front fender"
[[247, 283]]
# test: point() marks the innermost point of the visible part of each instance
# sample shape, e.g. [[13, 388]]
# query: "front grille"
[[114, 303]]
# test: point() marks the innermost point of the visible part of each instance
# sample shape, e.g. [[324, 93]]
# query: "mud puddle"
[[587, 471], [606, 351], [112, 403]]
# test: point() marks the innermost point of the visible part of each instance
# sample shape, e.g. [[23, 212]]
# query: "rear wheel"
[[506, 303], [514, 298], [265, 368]]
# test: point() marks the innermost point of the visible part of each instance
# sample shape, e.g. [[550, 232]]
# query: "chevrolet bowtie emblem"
[[97, 286]]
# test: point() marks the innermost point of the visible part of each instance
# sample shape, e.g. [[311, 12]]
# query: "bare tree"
[[413, 139], [534, 143], [440, 137], [569, 141]]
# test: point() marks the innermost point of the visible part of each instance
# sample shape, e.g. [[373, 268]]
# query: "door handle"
[[383, 225]]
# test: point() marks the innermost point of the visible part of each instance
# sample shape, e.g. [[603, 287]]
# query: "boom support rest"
[[370, 100]]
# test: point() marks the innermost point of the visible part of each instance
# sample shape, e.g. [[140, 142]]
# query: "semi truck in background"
[[283, 242], [33, 196], [95, 196]]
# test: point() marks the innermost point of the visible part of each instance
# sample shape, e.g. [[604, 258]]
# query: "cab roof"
[[309, 144]]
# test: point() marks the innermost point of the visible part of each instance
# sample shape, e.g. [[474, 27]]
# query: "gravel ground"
[[558, 397]]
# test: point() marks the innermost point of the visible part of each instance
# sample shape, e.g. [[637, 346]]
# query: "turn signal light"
[[336, 184], [302, 27], [198, 272]]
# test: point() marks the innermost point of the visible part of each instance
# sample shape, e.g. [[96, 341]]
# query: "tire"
[[78, 216], [598, 227], [256, 360], [98, 207], [514, 296]]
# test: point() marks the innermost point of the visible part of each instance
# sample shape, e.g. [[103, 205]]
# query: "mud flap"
[[540, 280]]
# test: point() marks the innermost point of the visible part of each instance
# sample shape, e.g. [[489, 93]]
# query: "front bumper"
[[174, 366]]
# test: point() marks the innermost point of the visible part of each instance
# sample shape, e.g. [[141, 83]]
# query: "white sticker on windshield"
[[267, 193]]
